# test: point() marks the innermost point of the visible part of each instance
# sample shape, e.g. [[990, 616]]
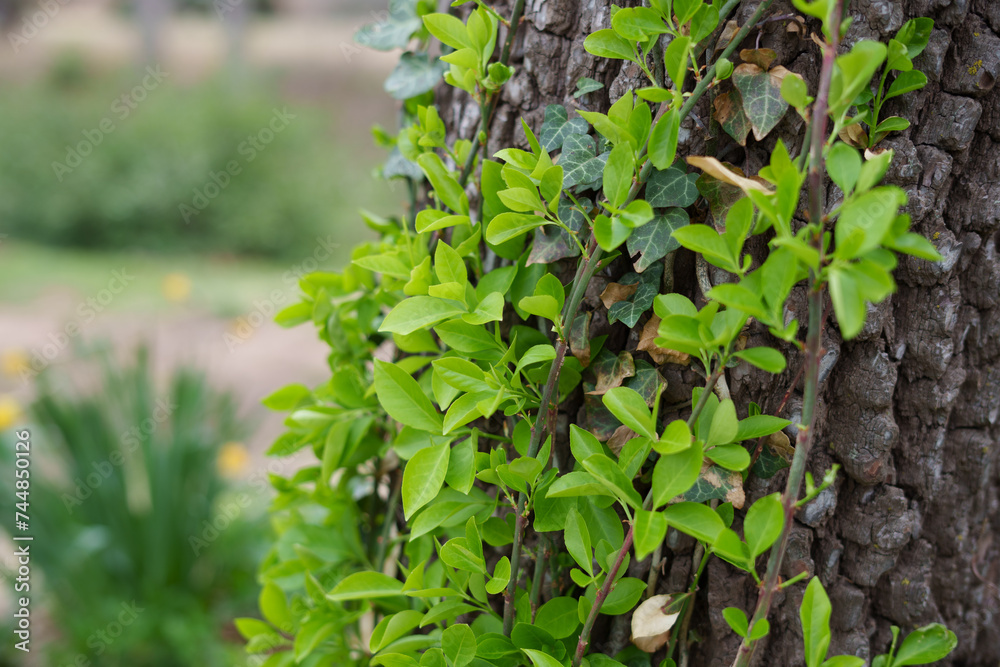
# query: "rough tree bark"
[[911, 532]]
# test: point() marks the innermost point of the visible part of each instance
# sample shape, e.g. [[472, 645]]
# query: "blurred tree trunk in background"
[[152, 16], [911, 533]]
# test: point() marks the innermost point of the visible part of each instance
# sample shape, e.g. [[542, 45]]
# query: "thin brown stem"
[[814, 349], [602, 595]]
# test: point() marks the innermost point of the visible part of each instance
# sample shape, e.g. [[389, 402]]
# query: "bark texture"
[[911, 532]]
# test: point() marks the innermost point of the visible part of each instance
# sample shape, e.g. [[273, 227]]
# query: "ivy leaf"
[[645, 381], [553, 243], [655, 239], [730, 115], [586, 85], [720, 196], [580, 162], [579, 338], [597, 419], [716, 483], [414, 75], [762, 100], [672, 187], [641, 300], [558, 126], [392, 33], [611, 370]]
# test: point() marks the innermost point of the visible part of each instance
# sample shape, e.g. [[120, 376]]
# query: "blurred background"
[[168, 169]]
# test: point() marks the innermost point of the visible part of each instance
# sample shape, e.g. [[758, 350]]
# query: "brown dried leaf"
[[717, 170], [780, 445], [618, 439], [854, 135], [616, 292], [762, 58], [727, 36], [660, 355]]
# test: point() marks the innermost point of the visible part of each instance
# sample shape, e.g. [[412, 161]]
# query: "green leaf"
[[765, 358], [794, 91], [672, 187], [419, 312], [449, 29], [815, 616], [844, 661], [392, 32], [623, 596], [577, 483], [423, 476], [655, 239], [457, 554], [610, 232], [758, 426], [730, 457], [403, 399], [737, 620], [607, 472], [630, 409], [675, 59], [663, 138], [581, 166], [459, 644], [848, 301], [853, 72], [577, 538], [637, 24], [608, 44], [650, 528], [507, 226], [915, 34], [539, 659], [559, 616], [501, 577], [414, 75], [274, 606], [844, 166], [906, 82], [462, 466], [618, 173], [763, 524], [925, 645], [287, 398], [724, 426], [705, 240], [704, 22], [762, 99], [694, 519], [869, 217], [365, 585], [445, 186], [676, 438]]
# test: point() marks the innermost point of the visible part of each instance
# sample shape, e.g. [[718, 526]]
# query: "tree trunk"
[[910, 533]]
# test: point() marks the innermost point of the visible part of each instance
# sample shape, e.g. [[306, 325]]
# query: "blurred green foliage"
[[140, 553], [108, 161]]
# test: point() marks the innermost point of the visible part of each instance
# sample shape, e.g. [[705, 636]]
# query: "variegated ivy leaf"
[[731, 117], [586, 85], [720, 195], [582, 167], [610, 370], [394, 31], [414, 75], [558, 125], [553, 243], [579, 338], [629, 312], [654, 240], [762, 100], [597, 419], [672, 187], [645, 381], [717, 483]]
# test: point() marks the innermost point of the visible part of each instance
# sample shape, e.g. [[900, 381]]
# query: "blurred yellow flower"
[[176, 287], [10, 412], [233, 459], [13, 362]]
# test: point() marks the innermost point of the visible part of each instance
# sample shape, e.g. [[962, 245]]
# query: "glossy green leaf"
[[663, 139], [403, 399], [737, 620], [763, 524], [766, 358], [815, 616], [507, 226], [423, 476], [650, 528], [420, 312], [618, 173], [630, 409], [925, 645], [459, 644], [608, 44], [607, 473], [365, 585], [559, 616]]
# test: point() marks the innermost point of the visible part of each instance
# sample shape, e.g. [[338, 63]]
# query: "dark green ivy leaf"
[[586, 85], [655, 239], [414, 75], [645, 381], [762, 100], [580, 162], [631, 310], [720, 195], [672, 187], [731, 117], [553, 243], [717, 483], [558, 125]]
